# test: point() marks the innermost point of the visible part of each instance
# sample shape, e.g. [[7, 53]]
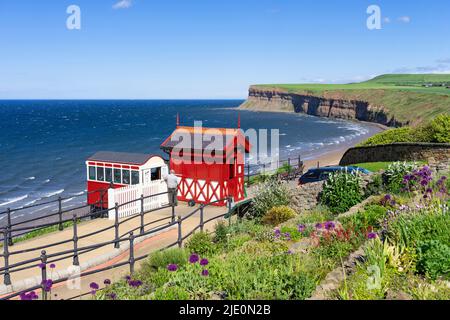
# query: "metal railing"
[[44, 259], [29, 225], [294, 167]]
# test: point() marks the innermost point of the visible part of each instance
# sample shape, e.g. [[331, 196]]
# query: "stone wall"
[[306, 197], [436, 154]]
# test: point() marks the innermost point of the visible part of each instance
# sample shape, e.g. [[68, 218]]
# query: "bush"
[[395, 173], [438, 130], [278, 215], [160, 259], [370, 217], [268, 195], [200, 243], [342, 191], [409, 230], [170, 293], [404, 134], [441, 128], [433, 259], [221, 231]]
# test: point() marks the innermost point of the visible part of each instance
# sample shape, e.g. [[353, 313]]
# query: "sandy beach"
[[328, 159]]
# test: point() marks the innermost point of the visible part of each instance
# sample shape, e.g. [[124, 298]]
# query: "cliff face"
[[276, 101]]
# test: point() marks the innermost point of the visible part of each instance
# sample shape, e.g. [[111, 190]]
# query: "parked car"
[[321, 174]]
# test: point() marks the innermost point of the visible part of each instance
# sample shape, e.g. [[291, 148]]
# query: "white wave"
[[30, 178], [53, 193], [47, 181], [13, 200], [78, 193], [67, 200]]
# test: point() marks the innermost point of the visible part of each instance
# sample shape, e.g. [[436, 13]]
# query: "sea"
[[44, 144]]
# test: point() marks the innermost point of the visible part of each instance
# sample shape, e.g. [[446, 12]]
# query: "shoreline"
[[329, 157]]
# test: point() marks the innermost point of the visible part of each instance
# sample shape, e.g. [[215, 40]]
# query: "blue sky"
[[179, 49]]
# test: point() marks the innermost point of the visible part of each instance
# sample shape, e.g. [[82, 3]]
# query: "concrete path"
[[101, 257]]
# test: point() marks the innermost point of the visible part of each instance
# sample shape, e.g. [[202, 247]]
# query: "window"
[[91, 173], [156, 174], [100, 174], [117, 176], [312, 175], [126, 176], [108, 175], [134, 177]]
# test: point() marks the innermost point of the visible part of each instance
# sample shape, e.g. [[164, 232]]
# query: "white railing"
[[130, 193]]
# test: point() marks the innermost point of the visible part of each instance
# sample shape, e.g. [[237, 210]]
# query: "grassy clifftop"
[[409, 97]]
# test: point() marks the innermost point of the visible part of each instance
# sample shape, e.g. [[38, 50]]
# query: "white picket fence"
[[130, 193]]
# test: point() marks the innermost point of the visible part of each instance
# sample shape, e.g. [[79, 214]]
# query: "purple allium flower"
[[135, 283], [111, 296], [330, 225], [127, 278], [28, 296], [94, 286], [172, 267], [205, 273], [387, 197], [301, 227], [47, 285], [287, 236], [289, 252], [194, 258], [319, 226], [42, 265], [372, 235], [52, 266], [277, 233], [107, 282], [204, 262]]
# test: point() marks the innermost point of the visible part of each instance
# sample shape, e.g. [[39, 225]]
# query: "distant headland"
[[392, 100]]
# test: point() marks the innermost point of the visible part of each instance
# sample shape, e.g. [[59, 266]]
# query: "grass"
[[403, 96], [377, 166]]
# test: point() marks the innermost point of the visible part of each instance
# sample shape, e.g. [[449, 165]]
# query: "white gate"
[[124, 198]]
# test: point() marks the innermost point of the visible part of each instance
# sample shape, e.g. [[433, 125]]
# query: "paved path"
[[101, 257]]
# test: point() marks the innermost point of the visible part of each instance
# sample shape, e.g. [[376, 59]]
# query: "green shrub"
[[268, 195], [220, 232], [278, 215], [370, 217], [408, 230], [160, 259], [342, 191], [201, 243], [438, 130], [404, 134], [441, 128], [170, 293], [433, 259], [395, 173]]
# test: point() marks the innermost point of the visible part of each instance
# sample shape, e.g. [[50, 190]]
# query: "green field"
[[404, 96]]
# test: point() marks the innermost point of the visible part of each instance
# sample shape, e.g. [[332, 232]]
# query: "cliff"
[[391, 100], [329, 107]]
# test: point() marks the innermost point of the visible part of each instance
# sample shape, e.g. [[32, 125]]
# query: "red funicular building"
[[209, 161]]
